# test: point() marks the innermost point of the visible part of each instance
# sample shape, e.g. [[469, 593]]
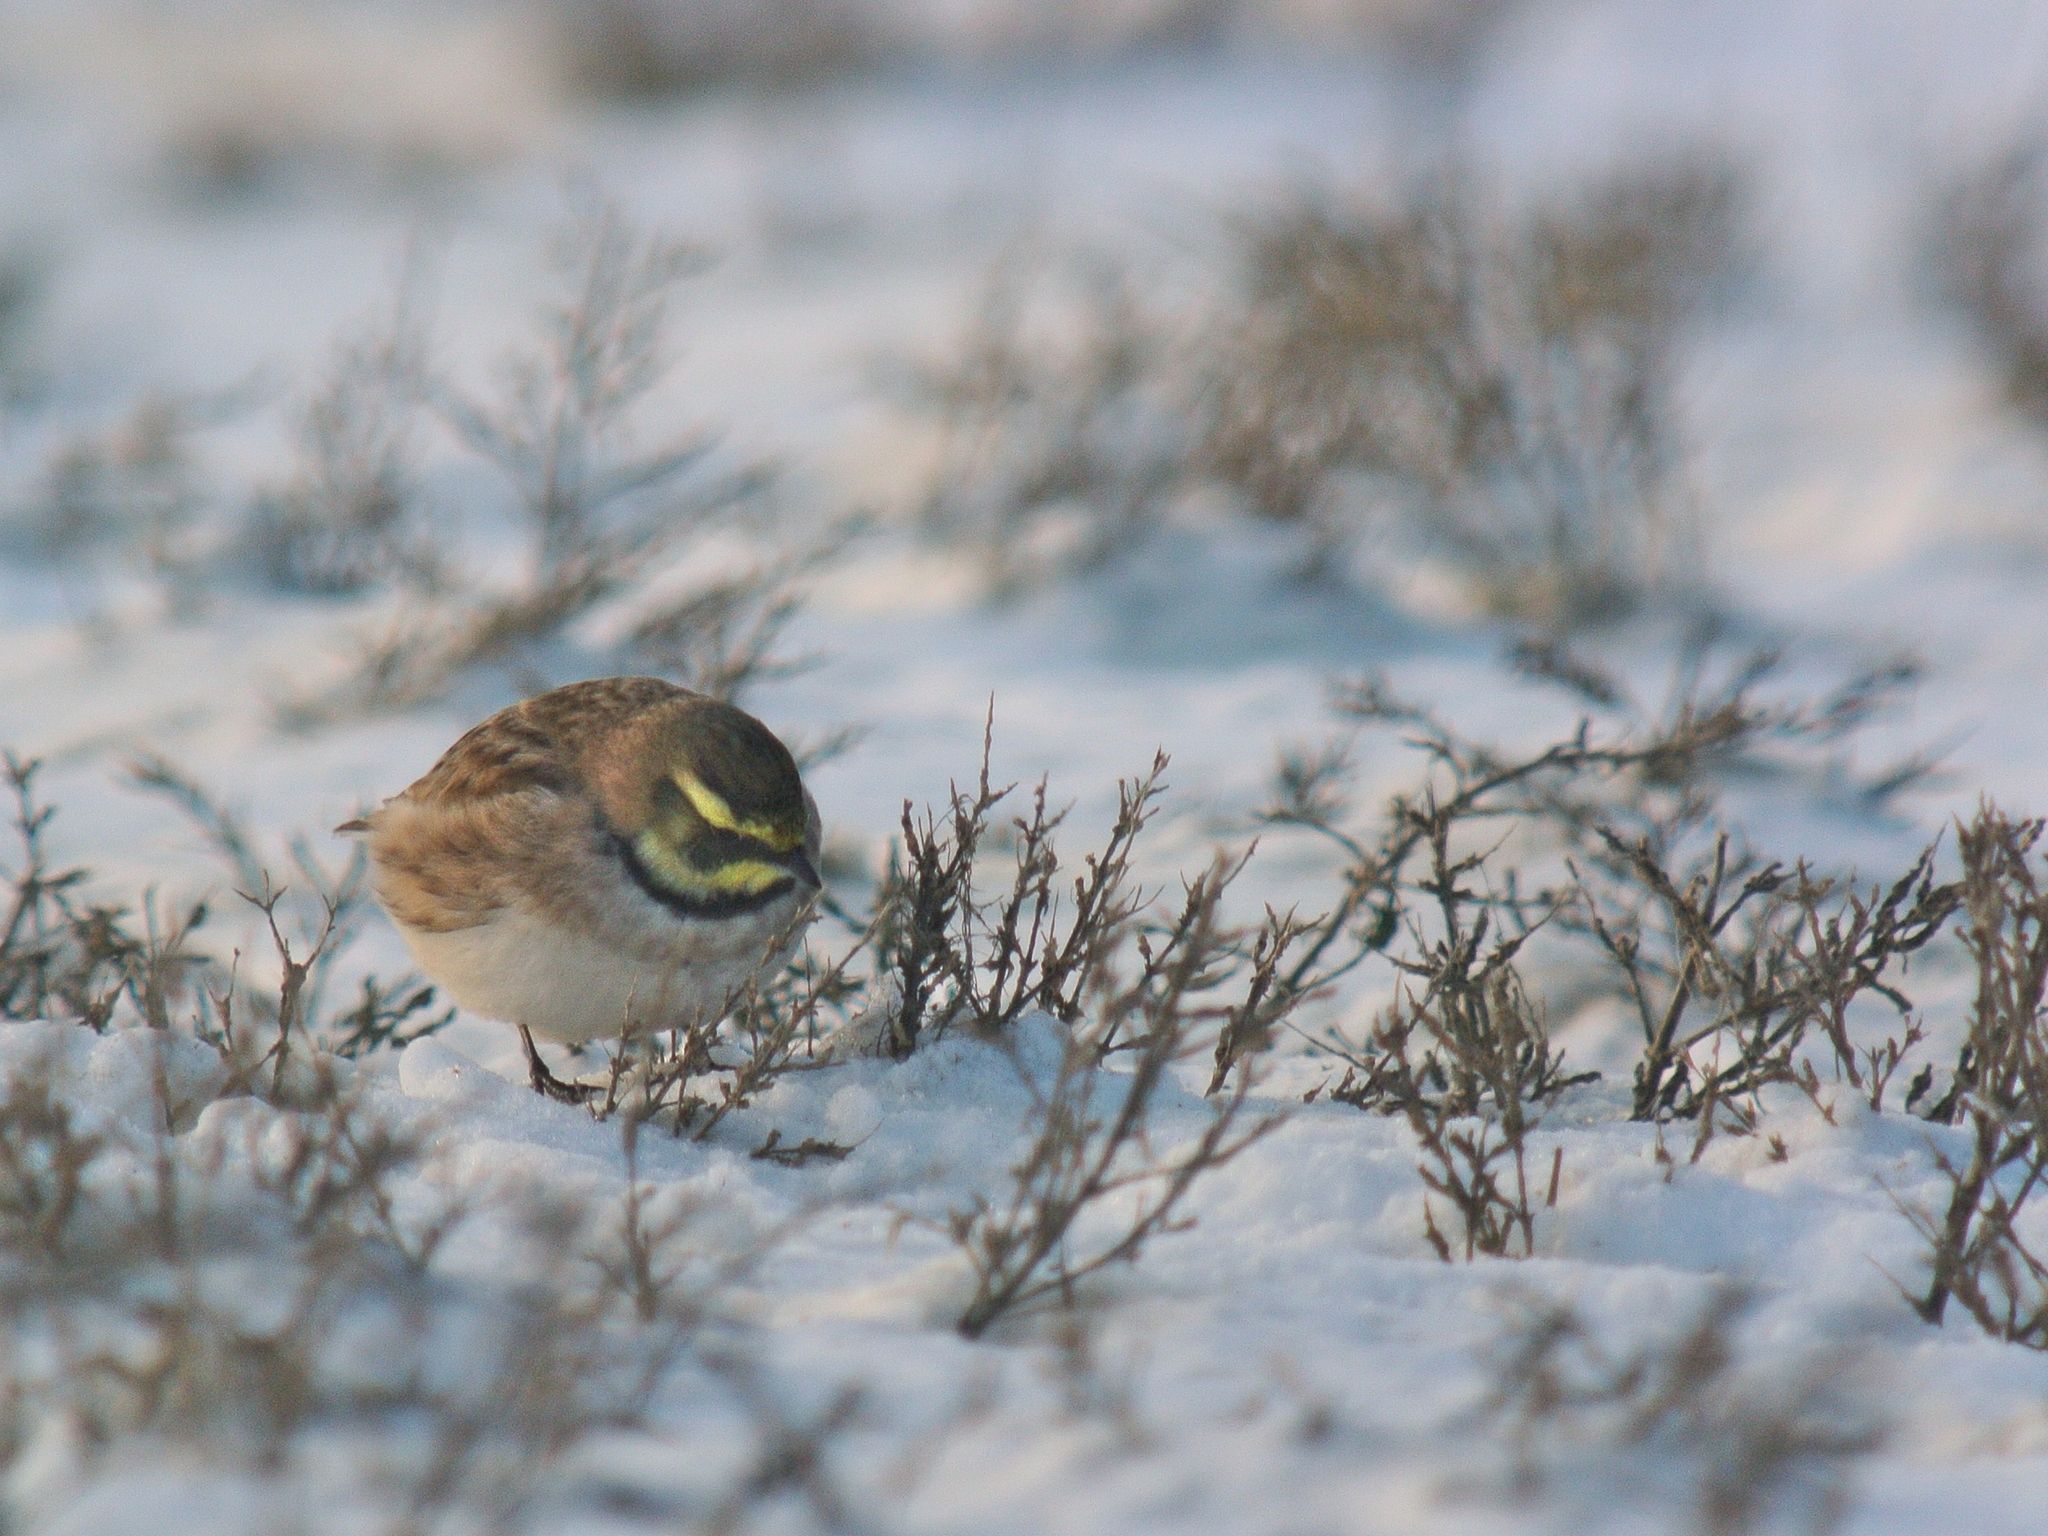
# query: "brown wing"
[[535, 744], [484, 828]]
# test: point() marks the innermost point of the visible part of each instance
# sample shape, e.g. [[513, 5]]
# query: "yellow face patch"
[[748, 877], [743, 877], [712, 806]]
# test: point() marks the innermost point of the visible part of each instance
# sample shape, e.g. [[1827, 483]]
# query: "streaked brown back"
[[532, 744]]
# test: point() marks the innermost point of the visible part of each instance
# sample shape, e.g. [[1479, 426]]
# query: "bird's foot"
[[545, 1082]]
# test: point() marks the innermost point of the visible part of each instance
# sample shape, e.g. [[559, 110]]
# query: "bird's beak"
[[800, 865]]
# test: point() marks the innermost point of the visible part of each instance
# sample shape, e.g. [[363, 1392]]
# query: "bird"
[[607, 859]]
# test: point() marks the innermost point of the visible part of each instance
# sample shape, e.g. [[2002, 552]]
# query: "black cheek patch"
[[736, 905]]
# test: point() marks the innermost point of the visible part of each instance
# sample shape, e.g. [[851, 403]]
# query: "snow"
[[1297, 1361]]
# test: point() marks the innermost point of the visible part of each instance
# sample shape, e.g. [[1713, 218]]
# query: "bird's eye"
[[717, 812]]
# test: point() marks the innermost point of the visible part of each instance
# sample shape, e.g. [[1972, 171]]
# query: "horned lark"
[[613, 857]]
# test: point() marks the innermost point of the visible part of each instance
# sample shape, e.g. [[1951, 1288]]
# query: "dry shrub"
[[324, 908], [604, 516], [1464, 1057], [1765, 957], [1764, 1444], [132, 487], [1499, 385], [44, 1156], [1612, 847], [952, 954], [954, 947], [351, 516], [1616, 844], [117, 1243], [1977, 1256], [1475, 1159], [1125, 980], [723, 634], [558, 427], [608, 514], [124, 1279], [1652, 771], [1094, 1150], [633, 50], [1056, 446], [109, 965], [1494, 387], [63, 957], [1986, 245]]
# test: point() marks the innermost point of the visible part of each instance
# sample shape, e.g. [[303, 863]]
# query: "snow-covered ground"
[[1298, 1360]]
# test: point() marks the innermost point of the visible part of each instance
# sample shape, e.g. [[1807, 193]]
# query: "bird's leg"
[[546, 1082]]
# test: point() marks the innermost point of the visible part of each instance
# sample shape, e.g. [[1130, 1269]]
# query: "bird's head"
[[709, 809]]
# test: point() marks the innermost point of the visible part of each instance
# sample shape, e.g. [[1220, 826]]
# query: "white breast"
[[563, 986]]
